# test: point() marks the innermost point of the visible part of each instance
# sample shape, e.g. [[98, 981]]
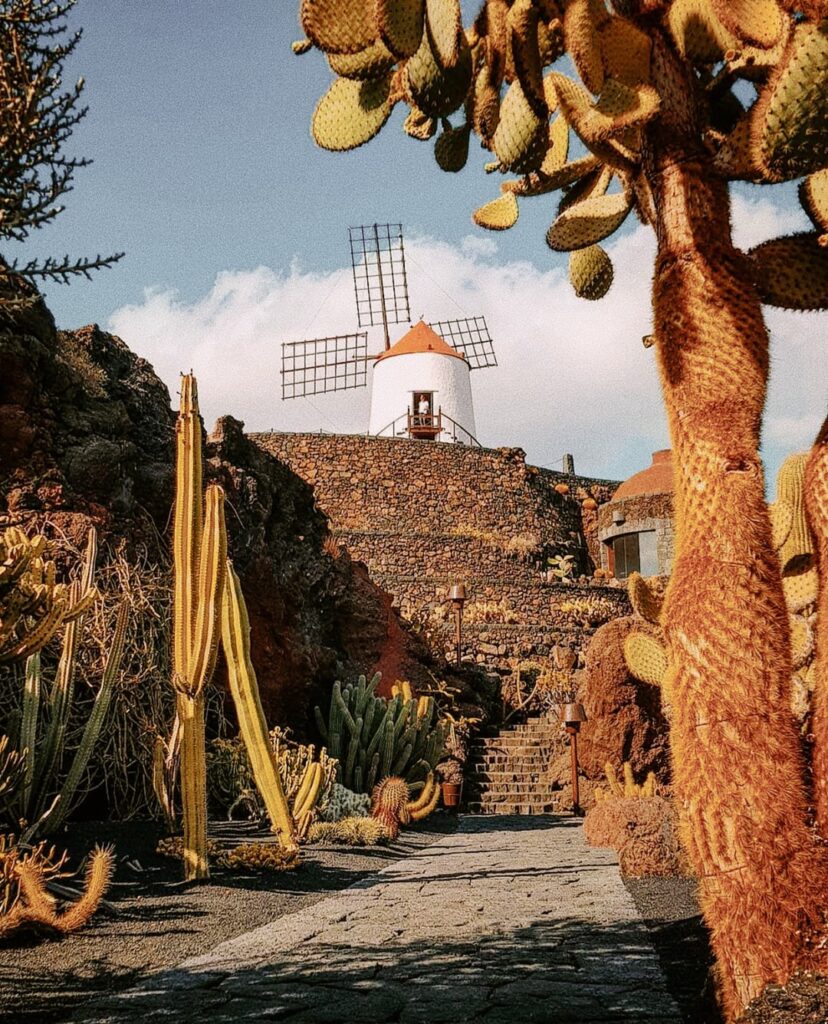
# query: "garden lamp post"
[[457, 596], [573, 715]]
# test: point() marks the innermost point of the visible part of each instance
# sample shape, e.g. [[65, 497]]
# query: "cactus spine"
[[235, 628], [199, 551]]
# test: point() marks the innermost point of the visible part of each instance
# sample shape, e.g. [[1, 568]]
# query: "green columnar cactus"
[[373, 737], [199, 560], [235, 634]]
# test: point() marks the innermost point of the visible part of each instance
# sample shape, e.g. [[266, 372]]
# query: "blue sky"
[[235, 228]]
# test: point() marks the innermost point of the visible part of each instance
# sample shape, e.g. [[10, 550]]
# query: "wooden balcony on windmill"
[[425, 426]]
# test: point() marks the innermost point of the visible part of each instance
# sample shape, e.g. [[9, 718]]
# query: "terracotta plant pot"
[[452, 791]]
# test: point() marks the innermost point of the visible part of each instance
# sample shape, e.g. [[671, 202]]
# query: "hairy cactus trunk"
[[738, 769], [816, 500]]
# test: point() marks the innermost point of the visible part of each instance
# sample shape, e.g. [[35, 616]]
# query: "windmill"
[[420, 384]]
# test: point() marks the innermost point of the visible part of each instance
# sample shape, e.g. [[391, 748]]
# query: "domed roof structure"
[[421, 338], [657, 478]]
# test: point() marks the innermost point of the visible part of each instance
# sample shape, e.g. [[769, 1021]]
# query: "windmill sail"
[[321, 365], [471, 337], [380, 282]]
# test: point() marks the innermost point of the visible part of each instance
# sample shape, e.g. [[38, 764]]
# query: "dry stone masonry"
[[423, 516]]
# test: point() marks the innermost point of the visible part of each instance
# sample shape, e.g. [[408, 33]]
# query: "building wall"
[[641, 512], [394, 378]]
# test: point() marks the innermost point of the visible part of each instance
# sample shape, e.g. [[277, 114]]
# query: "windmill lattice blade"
[[471, 337], [378, 262], [321, 365]]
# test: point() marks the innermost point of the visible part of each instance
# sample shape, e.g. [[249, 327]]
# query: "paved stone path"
[[507, 920]]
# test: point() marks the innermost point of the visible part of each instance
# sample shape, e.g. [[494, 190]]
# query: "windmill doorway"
[[423, 423]]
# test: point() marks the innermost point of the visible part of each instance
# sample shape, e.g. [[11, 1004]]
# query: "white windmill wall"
[[395, 377]]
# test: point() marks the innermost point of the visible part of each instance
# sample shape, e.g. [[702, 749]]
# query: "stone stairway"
[[516, 771]]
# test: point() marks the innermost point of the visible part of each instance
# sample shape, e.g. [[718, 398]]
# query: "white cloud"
[[573, 376]]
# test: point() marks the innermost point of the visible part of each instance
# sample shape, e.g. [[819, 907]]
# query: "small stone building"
[[635, 527]]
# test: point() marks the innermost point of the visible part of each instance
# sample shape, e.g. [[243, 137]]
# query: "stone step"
[[489, 779], [539, 760], [532, 742], [514, 792], [477, 807]]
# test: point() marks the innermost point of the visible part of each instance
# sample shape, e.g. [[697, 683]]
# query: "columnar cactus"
[[373, 737], [199, 562], [252, 725]]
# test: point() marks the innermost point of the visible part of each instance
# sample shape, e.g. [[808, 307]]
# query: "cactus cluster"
[[344, 803], [372, 737], [392, 806], [630, 789], [41, 739], [350, 831], [33, 606], [25, 899]]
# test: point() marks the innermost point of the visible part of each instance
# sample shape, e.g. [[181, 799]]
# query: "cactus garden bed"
[[157, 920]]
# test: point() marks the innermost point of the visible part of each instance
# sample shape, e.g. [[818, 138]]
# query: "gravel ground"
[[160, 921]]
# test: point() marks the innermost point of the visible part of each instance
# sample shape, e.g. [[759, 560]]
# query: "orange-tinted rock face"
[[625, 722]]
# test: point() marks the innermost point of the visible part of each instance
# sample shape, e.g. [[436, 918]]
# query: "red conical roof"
[[420, 338]]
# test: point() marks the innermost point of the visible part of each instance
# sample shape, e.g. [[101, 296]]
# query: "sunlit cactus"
[[672, 100], [199, 563], [235, 630]]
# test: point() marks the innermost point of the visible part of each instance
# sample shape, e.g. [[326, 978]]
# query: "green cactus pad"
[[802, 640], [790, 118], [751, 21], [618, 108], [626, 52], [419, 125], [485, 105], [436, 90], [523, 21], [444, 25], [351, 113], [697, 32], [646, 658], [499, 214], [782, 518], [582, 43], [550, 41], [792, 272], [400, 24], [590, 272], [338, 26], [373, 62], [451, 150], [594, 184], [521, 139], [813, 194], [541, 184], [644, 600], [558, 147], [588, 222]]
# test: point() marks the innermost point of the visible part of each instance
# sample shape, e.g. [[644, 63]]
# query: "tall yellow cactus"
[[252, 725], [200, 554], [665, 131]]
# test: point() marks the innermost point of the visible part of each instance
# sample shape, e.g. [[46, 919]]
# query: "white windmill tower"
[[420, 385]]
